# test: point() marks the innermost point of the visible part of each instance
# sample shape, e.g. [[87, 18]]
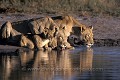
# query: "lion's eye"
[[63, 27]]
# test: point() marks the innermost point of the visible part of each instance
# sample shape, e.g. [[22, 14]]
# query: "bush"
[[94, 7]]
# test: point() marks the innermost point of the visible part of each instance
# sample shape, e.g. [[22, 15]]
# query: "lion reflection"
[[8, 64], [26, 57], [47, 65], [86, 60]]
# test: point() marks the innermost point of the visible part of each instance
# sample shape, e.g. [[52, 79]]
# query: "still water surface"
[[100, 63]]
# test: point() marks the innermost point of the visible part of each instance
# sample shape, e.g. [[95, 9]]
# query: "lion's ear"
[[91, 27], [83, 29]]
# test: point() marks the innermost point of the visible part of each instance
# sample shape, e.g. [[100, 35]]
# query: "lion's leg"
[[6, 30], [25, 42], [39, 42], [44, 42], [68, 46], [53, 43], [15, 35], [47, 47]]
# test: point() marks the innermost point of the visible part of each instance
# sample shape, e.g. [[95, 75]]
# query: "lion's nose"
[[89, 45]]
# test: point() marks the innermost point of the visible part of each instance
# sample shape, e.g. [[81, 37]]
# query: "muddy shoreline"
[[106, 42]]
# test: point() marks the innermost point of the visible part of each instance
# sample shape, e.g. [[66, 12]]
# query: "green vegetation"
[[81, 7]]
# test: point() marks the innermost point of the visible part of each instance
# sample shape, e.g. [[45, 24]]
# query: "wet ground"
[[97, 63]]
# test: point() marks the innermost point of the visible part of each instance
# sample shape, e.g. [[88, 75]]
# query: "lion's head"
[[50, 29], [87, 36], [82, 35]]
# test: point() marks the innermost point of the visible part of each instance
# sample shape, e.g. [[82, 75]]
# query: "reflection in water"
[[40, 65], [45, 65], [6, 66], [25, 57], [86, 59], [54, 65], [64, 65], [8, 63]]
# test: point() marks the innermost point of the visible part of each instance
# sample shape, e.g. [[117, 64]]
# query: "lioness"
[[67, 25], [46, 26], [84, 37]]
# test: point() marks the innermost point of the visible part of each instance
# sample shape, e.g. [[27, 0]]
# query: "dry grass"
[[81, 7]]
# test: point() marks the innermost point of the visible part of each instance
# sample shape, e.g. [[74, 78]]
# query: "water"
[[100, 63]]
